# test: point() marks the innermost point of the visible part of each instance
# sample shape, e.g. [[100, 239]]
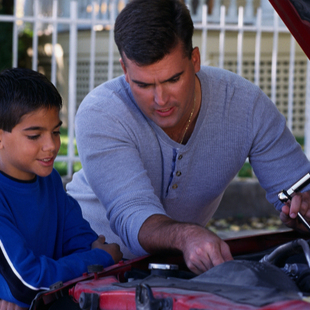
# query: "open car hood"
[[296, 16]]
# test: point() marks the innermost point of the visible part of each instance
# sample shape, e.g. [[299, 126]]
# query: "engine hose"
[[286, 249], [305, 246]]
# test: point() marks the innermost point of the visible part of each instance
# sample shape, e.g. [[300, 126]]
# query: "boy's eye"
[[57, 133], [33, 137]]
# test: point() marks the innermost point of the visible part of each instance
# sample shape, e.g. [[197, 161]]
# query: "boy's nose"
[[49, 144]]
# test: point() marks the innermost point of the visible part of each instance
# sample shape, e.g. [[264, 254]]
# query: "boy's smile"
[[32, 146]]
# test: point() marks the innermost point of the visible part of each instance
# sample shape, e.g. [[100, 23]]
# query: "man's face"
[[31, 148], [164, 91]]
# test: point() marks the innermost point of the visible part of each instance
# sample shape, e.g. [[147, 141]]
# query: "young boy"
[[43, 237]]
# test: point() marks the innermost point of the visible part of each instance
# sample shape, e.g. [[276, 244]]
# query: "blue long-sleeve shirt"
[[43, 238]]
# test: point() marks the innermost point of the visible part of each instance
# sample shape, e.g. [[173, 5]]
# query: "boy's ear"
[[1, 133]]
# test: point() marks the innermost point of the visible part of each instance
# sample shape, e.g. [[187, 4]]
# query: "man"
[[160, 144]]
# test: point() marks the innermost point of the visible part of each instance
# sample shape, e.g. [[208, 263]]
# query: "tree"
[[6, 30], [6, 39]]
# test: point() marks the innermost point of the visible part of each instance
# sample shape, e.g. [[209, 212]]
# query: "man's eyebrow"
[[165, 81], [173, 77], [40, 128], [141, 83]]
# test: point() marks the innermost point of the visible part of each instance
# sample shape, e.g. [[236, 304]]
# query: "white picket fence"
[[239, 20]]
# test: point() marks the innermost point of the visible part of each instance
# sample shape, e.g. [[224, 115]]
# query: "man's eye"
[[175, 80], [57, 133], [142, 85]]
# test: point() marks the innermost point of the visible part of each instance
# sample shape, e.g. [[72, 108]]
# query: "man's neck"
[[183, 134]]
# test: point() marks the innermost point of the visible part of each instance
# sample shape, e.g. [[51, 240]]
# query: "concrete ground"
[[244, 210], [226, 234]]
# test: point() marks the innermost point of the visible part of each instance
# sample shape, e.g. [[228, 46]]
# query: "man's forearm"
[[157, 234], [201, 248], [160, 233]]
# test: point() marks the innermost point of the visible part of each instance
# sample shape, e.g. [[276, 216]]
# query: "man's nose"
[[160, 96]]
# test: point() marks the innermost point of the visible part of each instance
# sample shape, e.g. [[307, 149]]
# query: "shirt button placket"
[[178, 173]]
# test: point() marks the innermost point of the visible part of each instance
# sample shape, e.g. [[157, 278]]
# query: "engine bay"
[[268, 272]]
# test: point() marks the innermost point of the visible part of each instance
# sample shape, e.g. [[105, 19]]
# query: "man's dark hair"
[[147, 30], [23, 91]]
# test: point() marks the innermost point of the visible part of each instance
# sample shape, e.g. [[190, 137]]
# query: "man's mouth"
[[165, 112]]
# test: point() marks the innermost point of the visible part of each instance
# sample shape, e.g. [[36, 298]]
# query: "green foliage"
[[245, 171], [6, 30], [6, 44], [24, 42], [301, 141], [61, 166]]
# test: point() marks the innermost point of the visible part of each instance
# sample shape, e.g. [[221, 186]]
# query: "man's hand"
[[299, 203], [201, 248], [5, 305], [112, 248]]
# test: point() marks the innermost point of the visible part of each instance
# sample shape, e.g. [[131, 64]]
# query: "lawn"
[[61, 166]]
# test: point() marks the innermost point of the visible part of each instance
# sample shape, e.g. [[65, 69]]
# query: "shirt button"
[[178, 173], [180, 157], [175, 186]]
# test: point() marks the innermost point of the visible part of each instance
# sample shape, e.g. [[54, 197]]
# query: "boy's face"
[[31, 148]]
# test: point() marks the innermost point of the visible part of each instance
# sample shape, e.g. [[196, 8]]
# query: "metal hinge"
[[145, 299]]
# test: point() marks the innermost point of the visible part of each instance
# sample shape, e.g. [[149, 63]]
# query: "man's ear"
[[123, 65], [196, 59], [124, 69]]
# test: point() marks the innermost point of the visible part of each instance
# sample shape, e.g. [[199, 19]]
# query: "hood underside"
[[296, 16]]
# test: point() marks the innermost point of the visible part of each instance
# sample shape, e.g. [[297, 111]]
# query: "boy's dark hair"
[[147, 30], [23, 91]]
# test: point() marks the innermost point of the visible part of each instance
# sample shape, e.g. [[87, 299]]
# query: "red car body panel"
[[111, 296]]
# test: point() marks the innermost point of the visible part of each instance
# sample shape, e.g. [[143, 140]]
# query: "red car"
[[270, 271]]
